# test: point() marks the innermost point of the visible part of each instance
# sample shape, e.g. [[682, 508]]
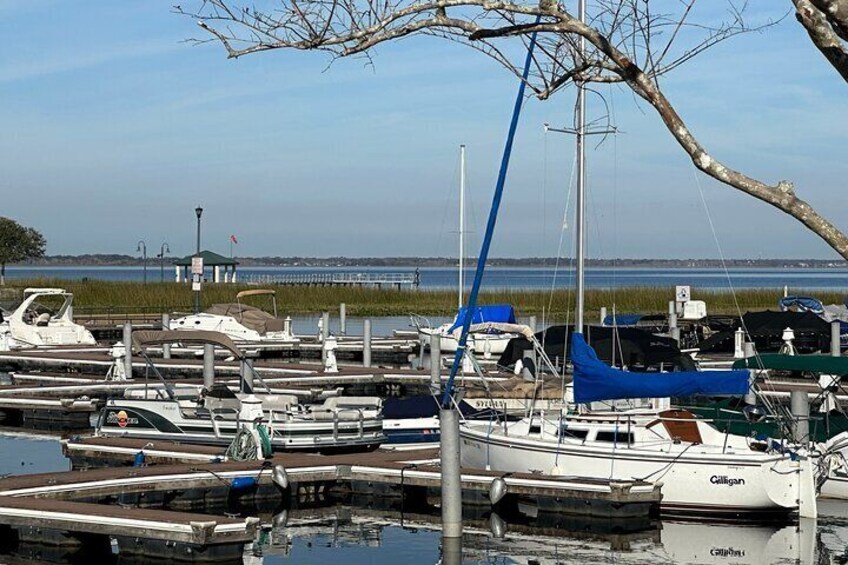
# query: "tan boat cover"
[[256, 292], [146, 338], [250, 316]]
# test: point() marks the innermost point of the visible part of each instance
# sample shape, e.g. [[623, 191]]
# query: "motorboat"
[[43, 319], [240, 322], [486, 336], [215, 416]]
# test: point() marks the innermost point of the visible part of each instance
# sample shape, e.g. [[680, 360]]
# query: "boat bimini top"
[[148, 338]]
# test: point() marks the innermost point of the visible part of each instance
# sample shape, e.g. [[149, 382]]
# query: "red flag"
[[233, 239]]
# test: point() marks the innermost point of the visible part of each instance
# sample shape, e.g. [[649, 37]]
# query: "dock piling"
[[604, 315], [325, 333], [208, 365], [673, 330], [343, 318], [451, 474], [532, 323], [435, 362], [166, 347], [366, 343], [128, 371], [835, 332], [800, 406]]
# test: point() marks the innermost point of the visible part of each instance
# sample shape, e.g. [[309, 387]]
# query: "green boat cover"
[[825, 364]]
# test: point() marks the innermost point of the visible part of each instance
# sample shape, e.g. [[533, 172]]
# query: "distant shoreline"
[[108, 260]]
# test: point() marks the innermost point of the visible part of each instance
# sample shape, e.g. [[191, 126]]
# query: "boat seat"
[[352, 402], [278, 402]]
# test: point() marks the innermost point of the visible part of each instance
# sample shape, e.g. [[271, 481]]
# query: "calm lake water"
[[353, 536], [500, 277]]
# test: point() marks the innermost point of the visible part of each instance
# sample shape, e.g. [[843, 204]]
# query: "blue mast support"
[[490, 226]]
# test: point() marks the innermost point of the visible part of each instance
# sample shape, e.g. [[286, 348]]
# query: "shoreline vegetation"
[[93, 296], [117, 260]]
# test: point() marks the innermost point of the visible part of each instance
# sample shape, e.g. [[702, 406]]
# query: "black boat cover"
[[638, 349], [766, 329]]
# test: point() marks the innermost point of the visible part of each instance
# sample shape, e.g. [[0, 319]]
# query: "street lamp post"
[[143, 248], [198, 277], [162, 250]]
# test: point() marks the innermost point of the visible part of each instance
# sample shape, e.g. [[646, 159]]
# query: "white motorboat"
[[34, 324], [159, 411], [240, 322]]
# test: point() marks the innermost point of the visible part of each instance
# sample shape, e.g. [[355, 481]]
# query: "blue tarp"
[[593, 380], [802, 303], [498, 313], [622, 320]]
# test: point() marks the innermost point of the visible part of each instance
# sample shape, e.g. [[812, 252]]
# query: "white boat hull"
[[480, 343], [693, 481]]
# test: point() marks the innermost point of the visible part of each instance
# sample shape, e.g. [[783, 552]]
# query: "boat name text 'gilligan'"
[[725, 480]]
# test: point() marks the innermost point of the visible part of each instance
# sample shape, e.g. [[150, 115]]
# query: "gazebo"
[[212, 262]]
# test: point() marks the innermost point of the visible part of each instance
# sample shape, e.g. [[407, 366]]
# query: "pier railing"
[[379, 280]]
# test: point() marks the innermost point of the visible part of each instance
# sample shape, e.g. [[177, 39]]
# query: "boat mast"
[[581, 180], [461, 223]]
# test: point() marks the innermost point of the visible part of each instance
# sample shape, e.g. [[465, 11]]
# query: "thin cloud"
[[27, 69]]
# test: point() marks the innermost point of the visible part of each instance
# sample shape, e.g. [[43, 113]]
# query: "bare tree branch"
[[621, 33], [826, 29]]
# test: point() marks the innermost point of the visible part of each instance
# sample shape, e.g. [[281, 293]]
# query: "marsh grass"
[[119, 296]]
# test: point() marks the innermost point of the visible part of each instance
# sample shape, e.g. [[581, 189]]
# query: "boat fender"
[[497, 526], [497, 490], [280, 477], [242, 483], [138, 461]]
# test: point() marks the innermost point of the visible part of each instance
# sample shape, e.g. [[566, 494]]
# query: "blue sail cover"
[[593, 380], [803, 303], [497, 313]]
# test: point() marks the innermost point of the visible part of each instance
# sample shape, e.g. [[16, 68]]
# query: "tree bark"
[[825, 32]]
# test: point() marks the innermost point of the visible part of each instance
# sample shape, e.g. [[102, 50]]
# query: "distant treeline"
[[113, 259]]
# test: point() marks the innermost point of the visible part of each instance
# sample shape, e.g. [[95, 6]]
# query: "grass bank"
[[176, 297]]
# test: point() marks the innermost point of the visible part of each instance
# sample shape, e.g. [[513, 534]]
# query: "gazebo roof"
[[210, 259]]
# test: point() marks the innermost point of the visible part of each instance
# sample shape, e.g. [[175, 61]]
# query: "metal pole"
[[199, 212], [166, 347], [435, 362], [128, 371], [835, 332], [343, 318], [580, 219], [461, 224], [800, 405], [451, 473], [208, 365], [325, 333], [366, 343]]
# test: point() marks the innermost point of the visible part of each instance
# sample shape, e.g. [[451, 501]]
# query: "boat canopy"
[[249, 316], [255, 292], [497, 313], [825, 364], [594, 380], [147, 338]]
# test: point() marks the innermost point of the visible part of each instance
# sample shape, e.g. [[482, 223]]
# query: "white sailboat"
[[702, 471], [484, 340]]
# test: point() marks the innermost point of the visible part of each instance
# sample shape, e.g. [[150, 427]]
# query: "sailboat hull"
[[695, 480]]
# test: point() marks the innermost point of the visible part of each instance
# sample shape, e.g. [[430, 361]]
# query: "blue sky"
[[114, 130]]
